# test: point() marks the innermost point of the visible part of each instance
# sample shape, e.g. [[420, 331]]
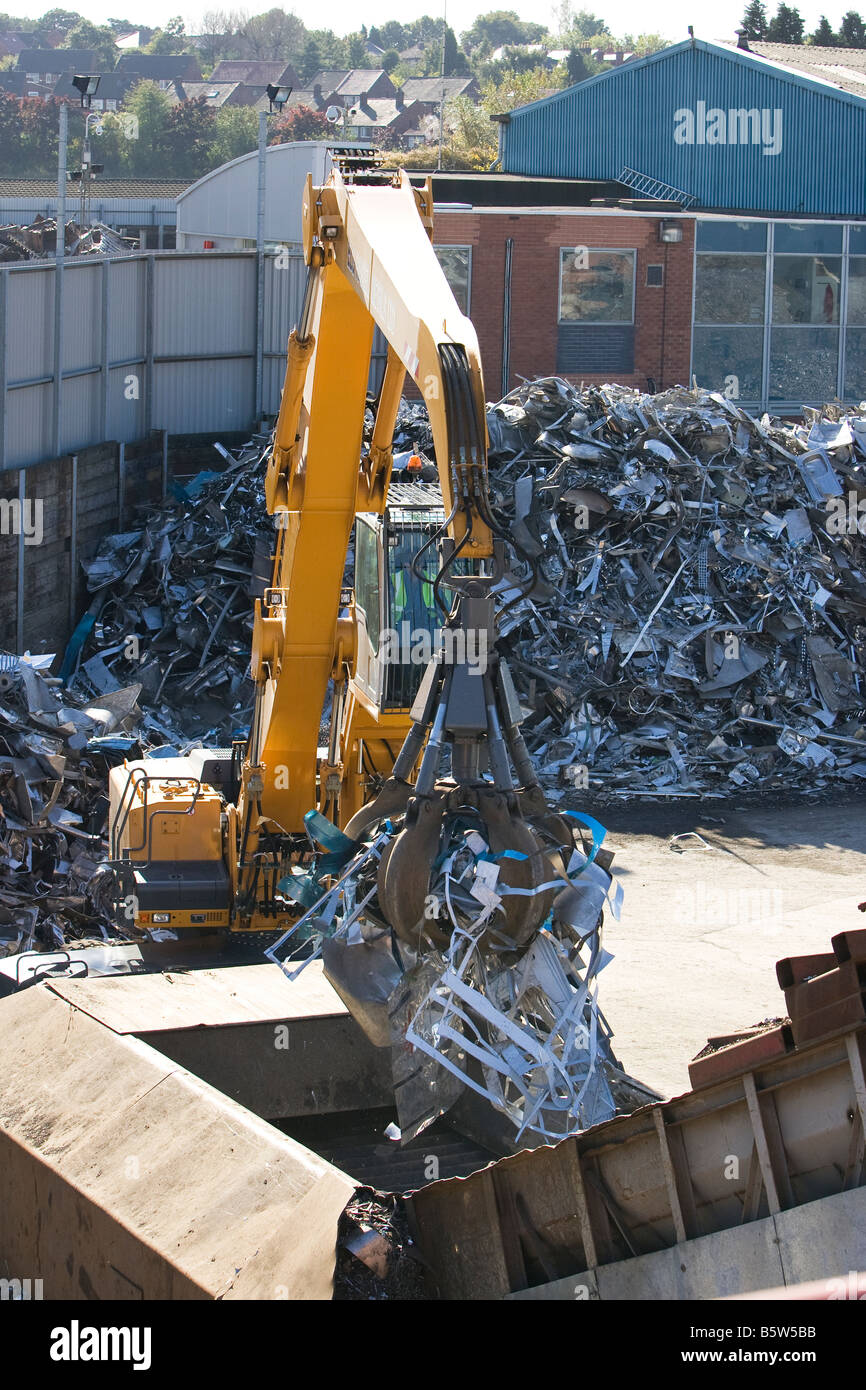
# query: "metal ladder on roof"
[[649, 187]]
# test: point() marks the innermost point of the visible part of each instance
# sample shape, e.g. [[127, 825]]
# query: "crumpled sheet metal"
[[173, 606], [697, 622], [53, 889], [523, 1032]]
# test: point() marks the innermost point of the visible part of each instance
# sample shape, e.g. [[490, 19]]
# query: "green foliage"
[[852, 31], [786, 26], [754, 21], [824, 36], [310, 61], [171, 39], [236, 132], [390, 59], [64, 20], [498, 27]]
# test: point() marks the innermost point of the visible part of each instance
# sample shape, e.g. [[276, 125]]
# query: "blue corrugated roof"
[[625, 118]]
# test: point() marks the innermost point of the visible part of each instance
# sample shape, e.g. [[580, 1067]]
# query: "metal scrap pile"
[[698, 620], [159, 660], [173, 607], [38, 241], [52, 808]]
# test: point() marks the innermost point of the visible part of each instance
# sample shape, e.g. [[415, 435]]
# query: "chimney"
[[362, 99], [317, 91], [399, 98], [742, 41]]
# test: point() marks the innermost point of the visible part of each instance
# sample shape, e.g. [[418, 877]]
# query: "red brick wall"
[[662, 315]]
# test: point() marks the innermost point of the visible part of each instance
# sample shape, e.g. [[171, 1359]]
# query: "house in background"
[[162, 68]]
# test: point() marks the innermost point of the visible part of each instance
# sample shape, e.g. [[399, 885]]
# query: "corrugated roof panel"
[[628, 118]]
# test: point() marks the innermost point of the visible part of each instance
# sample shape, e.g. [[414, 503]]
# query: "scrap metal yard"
[[433, 689]]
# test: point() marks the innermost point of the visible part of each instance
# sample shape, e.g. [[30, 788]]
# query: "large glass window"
[[855, 364], [729, 289], [803, 364], [729, 359], [367, 578], [456, 261], [803, 237], [857, 290], [806, 289], [596, 286], [732, 236]]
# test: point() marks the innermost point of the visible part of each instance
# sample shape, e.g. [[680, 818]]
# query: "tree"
[[356, 50], [83, 34], [235, 133], [187, 137], [586, 25], [64, 20], [38, 134], [152, 106], [497, 28], [390, 59], [786, 26], [575, 65], [171, 39], [10, 133], [271, 35], [311, 61], [390, 35], [754, 21], [301, 123], [823, 35], [852, 31]]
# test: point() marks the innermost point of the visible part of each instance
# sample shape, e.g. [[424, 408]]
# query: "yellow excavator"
[[211, 840]]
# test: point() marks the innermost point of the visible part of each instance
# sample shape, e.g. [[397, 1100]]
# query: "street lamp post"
[[86, 84]]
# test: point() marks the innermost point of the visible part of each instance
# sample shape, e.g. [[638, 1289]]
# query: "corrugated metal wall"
[[625, 118], [146, 342]]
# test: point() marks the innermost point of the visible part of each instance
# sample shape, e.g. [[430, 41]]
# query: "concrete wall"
[[82, 498]]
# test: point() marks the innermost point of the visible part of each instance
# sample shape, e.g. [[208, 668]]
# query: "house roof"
[[113, 86], [159, 67], [329, 79], [57, 60], [843, 68], [216, 94], [382, 112], [153, 189], [430, 88], [258, 73]]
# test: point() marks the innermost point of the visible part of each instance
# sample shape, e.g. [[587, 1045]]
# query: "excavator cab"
[[398, 617]]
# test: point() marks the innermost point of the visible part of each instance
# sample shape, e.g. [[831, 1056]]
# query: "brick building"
[[592, 294]]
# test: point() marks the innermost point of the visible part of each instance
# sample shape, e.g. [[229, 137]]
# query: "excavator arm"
[[215, 842], [370, 264]]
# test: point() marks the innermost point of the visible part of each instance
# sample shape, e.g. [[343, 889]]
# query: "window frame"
[[599, 323], [459, 246]]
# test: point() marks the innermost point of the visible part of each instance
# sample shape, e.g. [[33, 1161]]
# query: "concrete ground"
[[701, 930]]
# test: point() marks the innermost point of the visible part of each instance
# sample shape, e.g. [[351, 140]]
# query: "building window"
[[596, 287], [456, 261], [730, 289], [33, 77], [806, 289], [655, 276]]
